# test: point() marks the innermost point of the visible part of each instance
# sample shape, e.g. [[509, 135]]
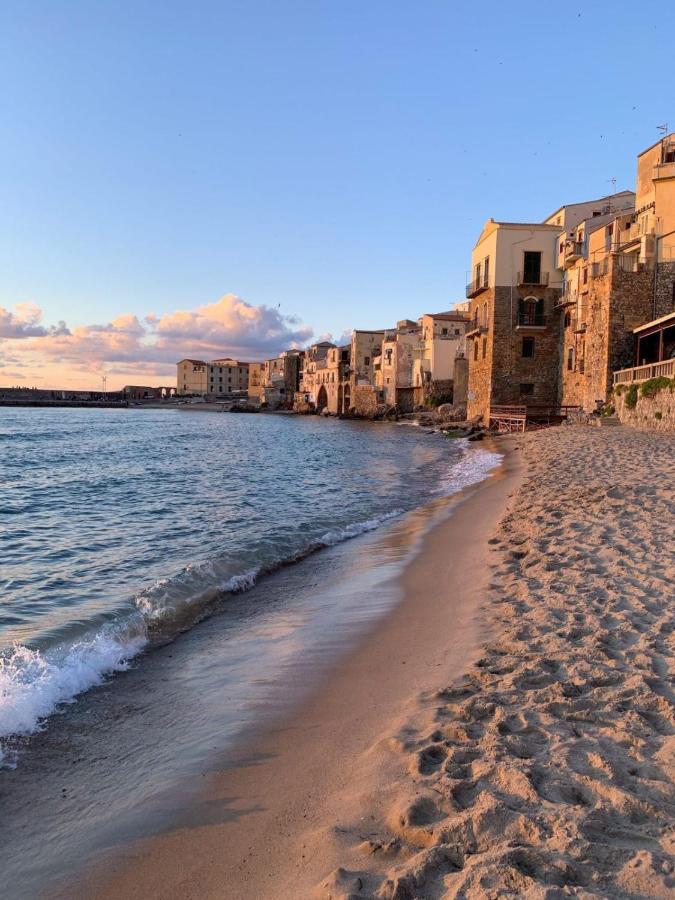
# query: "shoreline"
[[295, 772]]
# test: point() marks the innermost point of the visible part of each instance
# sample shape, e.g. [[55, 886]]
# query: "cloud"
[[24, 322], [149, 347]]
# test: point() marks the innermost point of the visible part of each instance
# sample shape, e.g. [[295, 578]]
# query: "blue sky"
[[334, 160]]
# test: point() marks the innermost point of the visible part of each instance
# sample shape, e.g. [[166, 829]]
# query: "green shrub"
[[607, 410], [632, 396], [619, 389], [651, 387]]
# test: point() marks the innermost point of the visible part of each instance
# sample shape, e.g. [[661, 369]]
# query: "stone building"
[[281, 379], [365, 365], [227, 376], [442, 344], [191, 376], [512, 341], [619, 274], [394, 373], [255, 381], [312, 374]]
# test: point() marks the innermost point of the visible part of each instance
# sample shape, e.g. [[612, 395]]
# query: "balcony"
[[476, 331], [568, 296], [598, 269], [532, 279], [475, 287], [531, 319], [574, 250], [665, 368]]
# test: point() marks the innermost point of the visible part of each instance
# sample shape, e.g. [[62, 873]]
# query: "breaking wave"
[[34, 682]]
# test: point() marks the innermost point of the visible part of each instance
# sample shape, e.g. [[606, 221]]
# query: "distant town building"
[[227, 376], [192, 376]]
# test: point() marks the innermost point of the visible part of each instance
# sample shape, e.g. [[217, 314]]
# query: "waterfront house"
[[192, 376]]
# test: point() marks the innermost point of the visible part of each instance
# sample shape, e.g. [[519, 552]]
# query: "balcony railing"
[[531, 320], [666, 368], [574, 250], [532, 279], [600, 268], [476, 287]]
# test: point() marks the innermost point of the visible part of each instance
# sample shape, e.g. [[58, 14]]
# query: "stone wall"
[[364, 401], [614, 304], [497, 368], [654, 413]]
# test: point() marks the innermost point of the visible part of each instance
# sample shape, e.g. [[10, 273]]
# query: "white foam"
[[33, 684], [330, 538], [474, 465]]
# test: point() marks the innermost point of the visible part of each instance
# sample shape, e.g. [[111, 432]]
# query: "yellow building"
[[227, 376], [255, 381], [192, 376]]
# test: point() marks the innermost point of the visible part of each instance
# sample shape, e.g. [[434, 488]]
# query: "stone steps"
[[608, 421]]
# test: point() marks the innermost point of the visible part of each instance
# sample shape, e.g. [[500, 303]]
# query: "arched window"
[[531, 311], [485, 315]]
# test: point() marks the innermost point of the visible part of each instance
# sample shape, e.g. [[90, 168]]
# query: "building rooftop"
[[196, 362]]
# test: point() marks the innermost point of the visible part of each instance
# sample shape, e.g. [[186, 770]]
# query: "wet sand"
[[273, 821]]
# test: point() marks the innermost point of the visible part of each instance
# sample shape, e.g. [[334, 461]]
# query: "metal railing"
[[665, 369], [535, 279], [475, 287], [531, 320]]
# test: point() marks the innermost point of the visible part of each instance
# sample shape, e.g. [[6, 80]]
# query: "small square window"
[[527, 389], [528, 348]]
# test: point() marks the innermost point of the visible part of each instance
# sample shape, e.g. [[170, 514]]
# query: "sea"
[[166, 575]]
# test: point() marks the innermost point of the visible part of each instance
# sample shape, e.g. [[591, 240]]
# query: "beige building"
[[619, 274], [255, 381], [281, 378], [227, 376], [512, 341], [442, 344], [395, 373], [191, 377]]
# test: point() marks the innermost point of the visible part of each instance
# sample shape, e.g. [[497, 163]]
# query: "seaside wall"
[[655, 412], [365, 400]]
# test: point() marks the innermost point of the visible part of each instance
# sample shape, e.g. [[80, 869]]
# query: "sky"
[[212, 178]]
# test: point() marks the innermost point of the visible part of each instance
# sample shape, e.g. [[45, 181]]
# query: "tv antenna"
[[104, 379], [663, 128]]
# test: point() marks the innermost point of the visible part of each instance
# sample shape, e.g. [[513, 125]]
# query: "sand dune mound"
[[549, 772]]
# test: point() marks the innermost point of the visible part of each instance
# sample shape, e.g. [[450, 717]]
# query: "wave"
[[34, 683]]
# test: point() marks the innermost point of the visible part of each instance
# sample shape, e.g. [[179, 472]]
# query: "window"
[[484, 347], [485, 315], [444, 330], [528, 348], [475, 350], [527, 389], [486, 271], [561, 249], [570, 359], [477, 282], [457, 329], [367, 360], [586, 275], [568, 319], [532, 267]]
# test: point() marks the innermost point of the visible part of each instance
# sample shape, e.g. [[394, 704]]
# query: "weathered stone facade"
[[365, 401], [655, 413], [598, 332], [501, 369]]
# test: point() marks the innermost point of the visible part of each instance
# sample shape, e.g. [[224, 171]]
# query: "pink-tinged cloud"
[[131, 350], [24, 322]]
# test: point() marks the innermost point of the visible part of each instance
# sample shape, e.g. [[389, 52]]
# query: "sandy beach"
[[507, 731]]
